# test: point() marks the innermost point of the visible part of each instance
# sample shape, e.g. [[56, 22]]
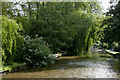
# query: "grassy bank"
[[12, 67]]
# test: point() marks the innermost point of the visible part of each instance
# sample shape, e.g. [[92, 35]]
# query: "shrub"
[[36, 52], [105, 45], [117, 49], [115, 46]]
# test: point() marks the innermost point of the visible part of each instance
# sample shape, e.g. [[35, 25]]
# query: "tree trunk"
[[37, 5], [29, 9]]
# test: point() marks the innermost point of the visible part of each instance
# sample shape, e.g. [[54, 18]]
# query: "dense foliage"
[[113, 22], [67, 27], [11, 39], [36, 52], [112, 29], [87, 28], [116, 46]]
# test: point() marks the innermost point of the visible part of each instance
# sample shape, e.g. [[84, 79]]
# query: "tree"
[[11, 39], [86, 30], [54, 22], [112, 31]]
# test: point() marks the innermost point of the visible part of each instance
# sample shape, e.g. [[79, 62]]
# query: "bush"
[[36, 52], [105, 45], [115, 46], [117, 49]]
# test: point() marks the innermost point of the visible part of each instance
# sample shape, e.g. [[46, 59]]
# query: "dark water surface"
[[96, 66]]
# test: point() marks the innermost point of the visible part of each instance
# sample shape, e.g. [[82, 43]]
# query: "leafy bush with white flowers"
[[36, 52]]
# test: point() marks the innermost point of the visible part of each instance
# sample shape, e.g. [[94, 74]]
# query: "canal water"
[[96, 65]]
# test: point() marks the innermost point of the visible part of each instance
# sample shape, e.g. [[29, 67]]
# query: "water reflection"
[[93, 67]]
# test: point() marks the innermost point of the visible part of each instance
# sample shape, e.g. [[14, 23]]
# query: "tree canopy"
[[113, 22], [65, 27]]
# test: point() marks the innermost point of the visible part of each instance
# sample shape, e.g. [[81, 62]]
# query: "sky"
[[105, 4]]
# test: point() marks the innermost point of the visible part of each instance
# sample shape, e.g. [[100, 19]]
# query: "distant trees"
[[85, 30], [65, 26], [59, 23], [112, 31]]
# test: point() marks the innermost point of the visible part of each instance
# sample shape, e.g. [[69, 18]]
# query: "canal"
[[96, 65]]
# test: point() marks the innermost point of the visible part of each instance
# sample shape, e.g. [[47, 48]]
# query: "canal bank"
[[94, 66]]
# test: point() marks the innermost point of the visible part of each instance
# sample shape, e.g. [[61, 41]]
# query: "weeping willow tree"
[[11, 39], [87, 30]]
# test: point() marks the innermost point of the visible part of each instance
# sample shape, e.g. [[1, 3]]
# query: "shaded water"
[[81, 67]]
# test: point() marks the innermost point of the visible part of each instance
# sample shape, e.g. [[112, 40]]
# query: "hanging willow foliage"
[[10, 38], [87, 27]]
